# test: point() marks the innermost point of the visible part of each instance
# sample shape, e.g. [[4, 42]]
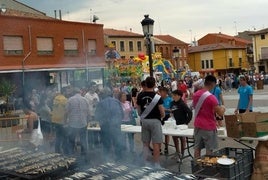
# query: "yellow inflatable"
[[159, 64]]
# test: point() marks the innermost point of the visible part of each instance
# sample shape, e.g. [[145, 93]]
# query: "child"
[[163, 91], [183, 115]]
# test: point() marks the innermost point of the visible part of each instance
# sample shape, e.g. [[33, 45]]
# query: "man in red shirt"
[[205, 127]]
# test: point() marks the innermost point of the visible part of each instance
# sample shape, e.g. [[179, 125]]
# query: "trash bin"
[[260, 84]]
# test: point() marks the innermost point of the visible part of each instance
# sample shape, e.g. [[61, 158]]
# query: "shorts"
[[151, 130], [205, 139]]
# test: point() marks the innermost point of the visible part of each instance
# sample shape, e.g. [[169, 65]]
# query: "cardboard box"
[[248, 117], [252, 129], [262, 117], [233, 126]]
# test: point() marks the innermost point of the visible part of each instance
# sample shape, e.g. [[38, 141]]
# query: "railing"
[[9, 126]]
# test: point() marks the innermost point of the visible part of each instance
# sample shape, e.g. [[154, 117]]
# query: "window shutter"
[[12, 43], [92, 46], [70, 44], [264, 53], [44, 44]]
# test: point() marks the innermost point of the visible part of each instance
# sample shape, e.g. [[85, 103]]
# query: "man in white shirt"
[[93, 99], [174, 85]]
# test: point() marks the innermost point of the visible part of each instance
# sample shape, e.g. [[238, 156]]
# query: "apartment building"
[[218, 59], [260, 49], [127, 43], [38, 52], [166, 45]]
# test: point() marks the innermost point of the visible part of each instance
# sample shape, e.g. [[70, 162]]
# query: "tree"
[[6, 89]]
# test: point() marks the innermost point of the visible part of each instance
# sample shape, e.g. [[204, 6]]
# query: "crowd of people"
[[65, 115]]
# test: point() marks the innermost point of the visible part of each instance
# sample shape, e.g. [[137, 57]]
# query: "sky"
[[183, 19]]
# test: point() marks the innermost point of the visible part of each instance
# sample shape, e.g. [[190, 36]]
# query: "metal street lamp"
[[176, 54], [147, 27]]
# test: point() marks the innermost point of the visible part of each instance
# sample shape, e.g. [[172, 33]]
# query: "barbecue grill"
[[19, 163], [123, 172], [26, 164]]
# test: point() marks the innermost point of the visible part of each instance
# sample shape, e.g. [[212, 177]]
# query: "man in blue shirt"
[[245, 92], [163, 91], [217, 92]]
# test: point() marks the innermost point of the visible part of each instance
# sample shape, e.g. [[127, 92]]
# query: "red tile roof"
[[228, 37], [120, 33], [13, 12], [169, 39], [212, 47]]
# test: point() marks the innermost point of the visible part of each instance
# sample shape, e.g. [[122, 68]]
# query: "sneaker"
[[179, 158], [161, 153]]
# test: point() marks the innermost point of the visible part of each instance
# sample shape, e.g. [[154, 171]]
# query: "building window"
[[123, 57], [130, 46], [13, 45], [161, 50], [44, 46], [92, 47], [131, 57], [264, 52], [70, 47], [262, 36], [203, 64], [122, 46], [207, 64], [211, 63], [167, 52], [240, 62], [231, 64], [139, 46], [114, 43]]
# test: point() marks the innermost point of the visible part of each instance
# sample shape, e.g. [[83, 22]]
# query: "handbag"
[[37, 136]]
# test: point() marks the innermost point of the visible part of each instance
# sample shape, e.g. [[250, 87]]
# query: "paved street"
[[260, 99], [231, 98]]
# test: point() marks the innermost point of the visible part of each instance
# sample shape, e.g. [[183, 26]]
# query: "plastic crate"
[[241, 169], [233, 171], [246, 155]]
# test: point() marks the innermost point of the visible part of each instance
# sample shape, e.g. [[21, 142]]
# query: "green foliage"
[[6, 88]]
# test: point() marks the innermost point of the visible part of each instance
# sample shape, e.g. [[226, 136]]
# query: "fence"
[[9, 126]]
